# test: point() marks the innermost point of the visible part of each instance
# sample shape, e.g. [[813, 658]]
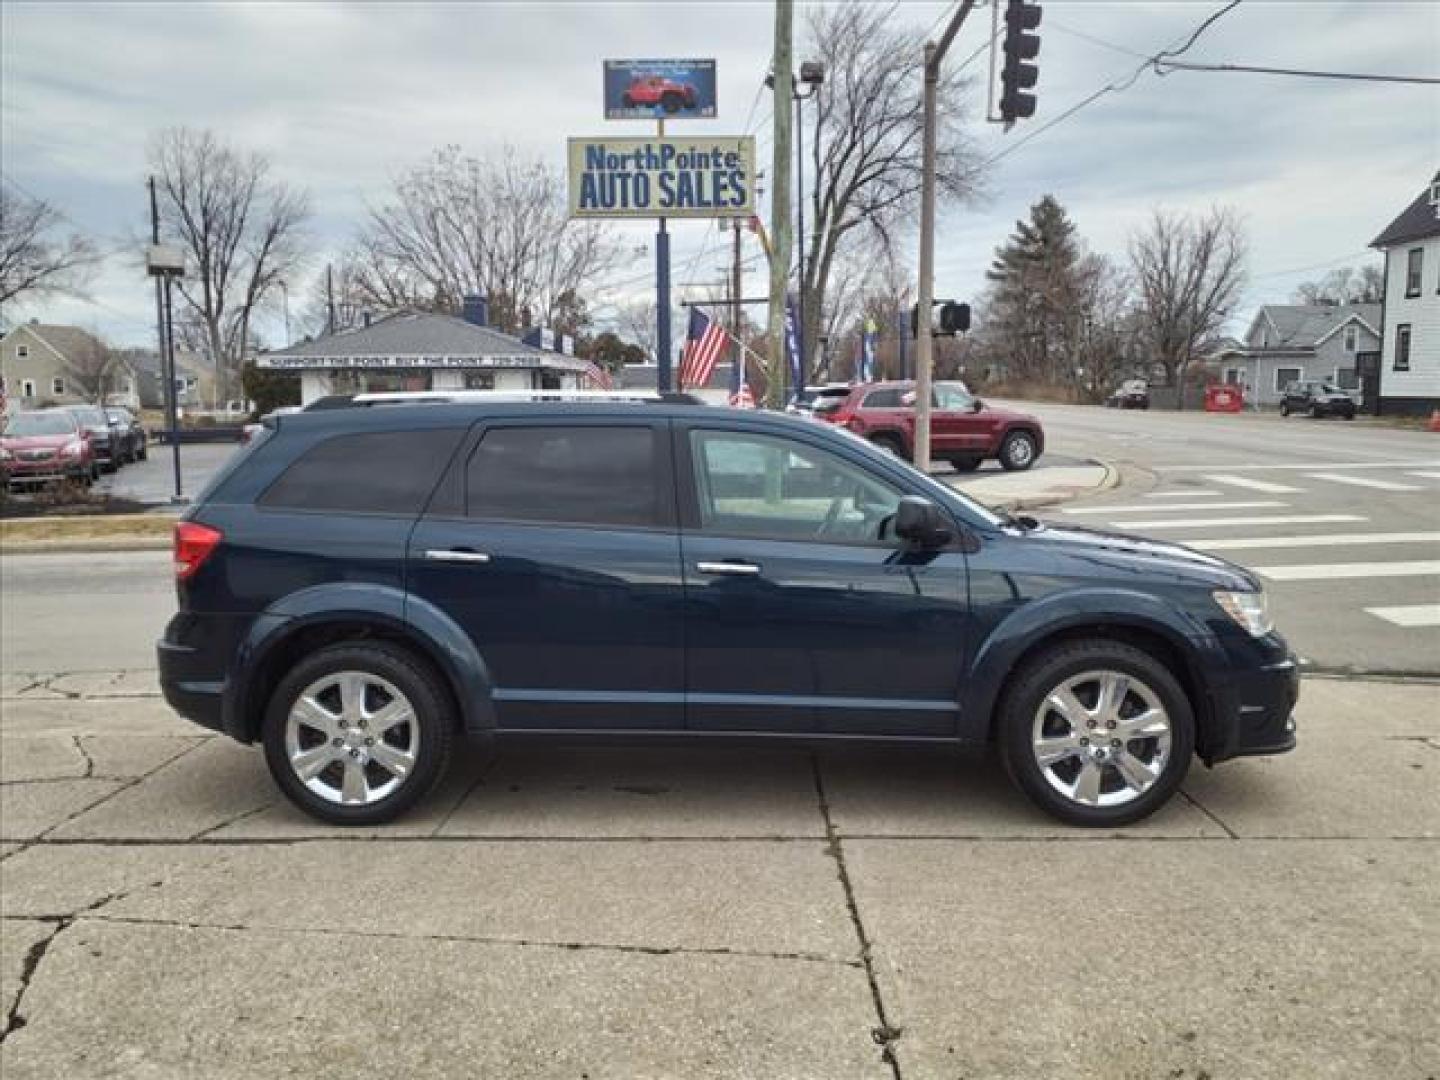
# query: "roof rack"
[[461, 397]]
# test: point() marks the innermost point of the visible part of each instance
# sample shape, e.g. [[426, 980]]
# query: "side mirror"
[[976, 404], [920, 522]]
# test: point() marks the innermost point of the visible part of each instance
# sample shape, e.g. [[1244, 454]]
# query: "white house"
[[1410, 350]]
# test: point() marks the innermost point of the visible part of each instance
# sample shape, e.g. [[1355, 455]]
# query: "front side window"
[[383, 472], [1287, 380], [1402, 347], [952, 398], [779, 489], [580, 475], [889, 398], [1414, 267]]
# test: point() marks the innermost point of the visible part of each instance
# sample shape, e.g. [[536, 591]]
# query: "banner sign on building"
[[677, 178], [659, 89]]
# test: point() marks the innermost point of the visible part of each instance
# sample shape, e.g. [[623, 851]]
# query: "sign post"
[[664, 361]]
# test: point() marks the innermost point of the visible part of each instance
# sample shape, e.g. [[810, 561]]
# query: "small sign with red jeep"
[[659, 89]]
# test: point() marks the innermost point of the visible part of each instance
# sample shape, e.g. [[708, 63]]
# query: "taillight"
[[193, 544]]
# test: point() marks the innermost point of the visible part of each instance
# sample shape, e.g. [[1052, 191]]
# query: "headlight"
[[1250, 609]]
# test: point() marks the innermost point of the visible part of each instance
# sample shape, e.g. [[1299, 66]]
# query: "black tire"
[[965, 462], [1040, 677], [1284, 408], [890, 443], [94, 472], [432, 716], [1316, 412], [671, 102], [1349, 414], [1018, 451], [627, 101]]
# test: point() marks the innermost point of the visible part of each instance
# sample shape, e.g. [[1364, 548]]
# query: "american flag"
[[598, 376], [705, 341]]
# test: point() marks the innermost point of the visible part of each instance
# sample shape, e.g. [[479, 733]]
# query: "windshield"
[[40, 423], [91, 415]]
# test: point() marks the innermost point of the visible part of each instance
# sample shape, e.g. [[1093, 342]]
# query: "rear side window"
[[883, 399], [577, 475], [384, 472]]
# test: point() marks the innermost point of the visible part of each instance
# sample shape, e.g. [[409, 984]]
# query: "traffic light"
[[1019, 74], [954, 318]]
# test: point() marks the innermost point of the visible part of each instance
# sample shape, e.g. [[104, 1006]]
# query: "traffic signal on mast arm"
[[1019, 74]]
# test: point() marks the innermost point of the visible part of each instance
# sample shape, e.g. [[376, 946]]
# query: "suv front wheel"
[[1018, 451], [357, 732], [1097, 733]]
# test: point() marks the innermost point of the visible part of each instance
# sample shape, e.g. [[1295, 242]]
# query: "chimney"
[[475, 309]]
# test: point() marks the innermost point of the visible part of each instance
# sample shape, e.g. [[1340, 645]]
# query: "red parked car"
[[46, 445], [963, 430], [658, 90]]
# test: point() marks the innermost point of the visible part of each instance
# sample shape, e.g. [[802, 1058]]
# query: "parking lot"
[[742, 913]]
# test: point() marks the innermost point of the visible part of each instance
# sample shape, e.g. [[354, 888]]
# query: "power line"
[[1415, 80], [1056, 24], [1116, 86]]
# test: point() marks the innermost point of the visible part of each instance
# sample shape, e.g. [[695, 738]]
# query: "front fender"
[[993, 658], [433, 634]]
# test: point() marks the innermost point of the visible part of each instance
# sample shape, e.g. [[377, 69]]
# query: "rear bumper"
[[199, 700]]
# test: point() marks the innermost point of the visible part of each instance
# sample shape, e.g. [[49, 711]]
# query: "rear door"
[[553, 544]]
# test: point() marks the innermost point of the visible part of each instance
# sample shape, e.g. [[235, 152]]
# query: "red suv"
[[658, 90], [963, 430]]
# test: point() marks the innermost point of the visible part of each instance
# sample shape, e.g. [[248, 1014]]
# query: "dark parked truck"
[[362, 585]]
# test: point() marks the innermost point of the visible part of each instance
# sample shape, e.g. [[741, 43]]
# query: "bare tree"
[[865, 142], [1190, 272], [1346, 285], [33, 259], [636, 322], [498, 227], [242, 231], [93, 367]]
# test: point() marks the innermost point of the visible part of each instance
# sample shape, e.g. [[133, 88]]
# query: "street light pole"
[[924, 341]]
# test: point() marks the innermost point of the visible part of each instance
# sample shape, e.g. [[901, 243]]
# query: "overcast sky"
[[342, 96]]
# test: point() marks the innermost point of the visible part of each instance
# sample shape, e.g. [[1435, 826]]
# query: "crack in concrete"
[[15, 1019], [232, 820], [884, 1033], [85, 754], [88, 914], [465, 797], [1207, 812]]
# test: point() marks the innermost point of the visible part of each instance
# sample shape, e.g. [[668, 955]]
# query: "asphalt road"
[[1342, 520]]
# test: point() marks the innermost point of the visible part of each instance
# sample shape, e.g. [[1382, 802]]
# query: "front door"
[[553, 545], [955, 428], [804, 613]]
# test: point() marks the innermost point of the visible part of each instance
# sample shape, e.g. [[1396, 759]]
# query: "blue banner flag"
[[867, 352], [793, 355]]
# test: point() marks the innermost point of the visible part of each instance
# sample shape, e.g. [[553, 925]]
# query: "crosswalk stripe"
[[1152, 508], [1408, 615], [1426, 475], [1311, 465], [1363, 481], [1244, 543], [1333, 571], [1206, 523], [1254, 485], [1177, 494]]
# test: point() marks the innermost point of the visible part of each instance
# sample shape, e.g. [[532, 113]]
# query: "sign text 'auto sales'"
[[674, 177]]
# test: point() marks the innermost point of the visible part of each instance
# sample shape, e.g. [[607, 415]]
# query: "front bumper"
[[1252, 707], [34, 472]]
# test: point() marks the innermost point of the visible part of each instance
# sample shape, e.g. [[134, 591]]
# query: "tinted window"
[[883, 399], [582, 475], [757, 485], [387, 472]]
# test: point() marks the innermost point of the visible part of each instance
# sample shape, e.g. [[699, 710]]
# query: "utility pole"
[[664, 362], [924, 341], [735, 285], [329, 298], [166, 333], [784, 79]]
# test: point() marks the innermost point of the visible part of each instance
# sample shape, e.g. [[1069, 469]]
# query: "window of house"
[[22, 352], [386, 472], [573, 475], [781, 489], [27, 388], [479, 380], [1402, 347], [1352, 337], [1413, 269], [1284, 376], [57, 385], [1232, 376]]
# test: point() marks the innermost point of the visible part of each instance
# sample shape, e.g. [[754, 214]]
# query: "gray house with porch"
[[1290, 342]]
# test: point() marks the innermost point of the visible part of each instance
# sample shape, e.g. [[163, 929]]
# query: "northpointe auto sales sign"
[[646, 178]]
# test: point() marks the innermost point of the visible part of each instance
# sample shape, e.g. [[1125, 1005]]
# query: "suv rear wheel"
[[965, 462], [1284, 408], [1097, 733], [1017, 452], [357, 732]]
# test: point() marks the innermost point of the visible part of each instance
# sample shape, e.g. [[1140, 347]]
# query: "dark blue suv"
[[367, 582]]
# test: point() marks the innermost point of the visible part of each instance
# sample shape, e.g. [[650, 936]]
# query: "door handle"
[[455, 555], [738, 569]]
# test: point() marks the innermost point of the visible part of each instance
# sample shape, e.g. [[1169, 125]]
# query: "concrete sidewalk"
[[1036, 488], [712, 912]]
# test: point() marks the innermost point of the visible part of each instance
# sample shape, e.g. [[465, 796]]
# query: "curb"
[[95, 546], [1111, 480]]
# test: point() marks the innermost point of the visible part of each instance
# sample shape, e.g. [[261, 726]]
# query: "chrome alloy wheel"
[[1022, 450], [1101, 738], [352, 738]]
